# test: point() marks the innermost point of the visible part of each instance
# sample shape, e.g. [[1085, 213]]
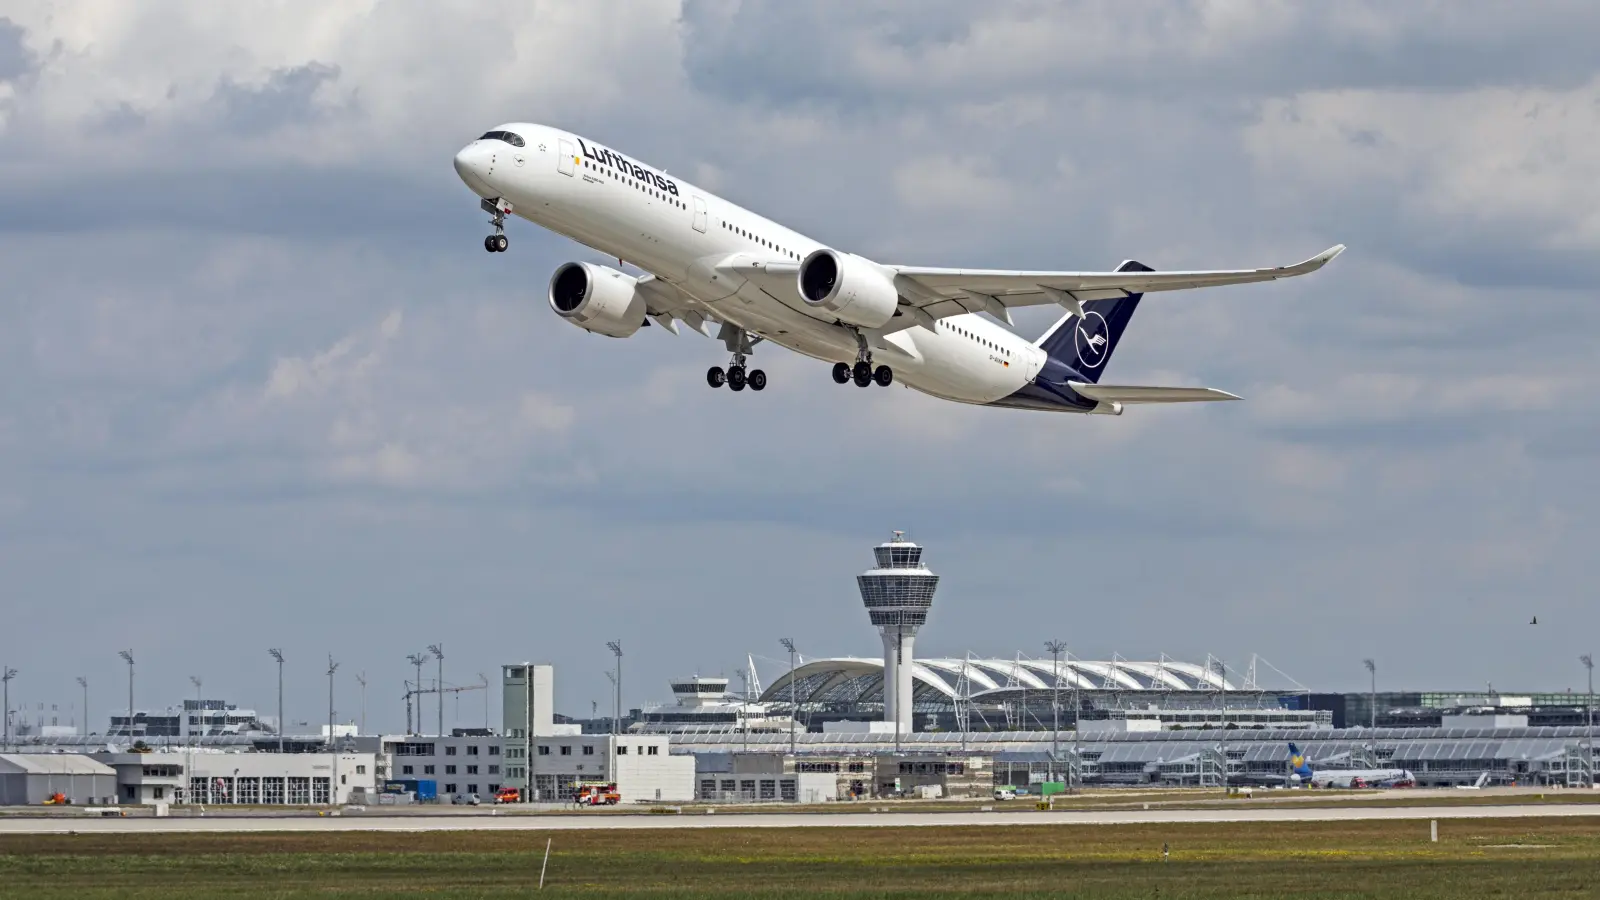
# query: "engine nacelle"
[[853, 289], [597, 299]]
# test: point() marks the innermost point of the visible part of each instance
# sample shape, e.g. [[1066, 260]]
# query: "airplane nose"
[[472, 165]]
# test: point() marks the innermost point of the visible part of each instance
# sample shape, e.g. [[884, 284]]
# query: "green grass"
[[1474, 858]]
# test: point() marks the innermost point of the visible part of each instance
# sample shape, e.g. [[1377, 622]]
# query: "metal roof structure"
[[51, 764]]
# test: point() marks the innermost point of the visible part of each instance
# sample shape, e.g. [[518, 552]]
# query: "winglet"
[[1316, 262]]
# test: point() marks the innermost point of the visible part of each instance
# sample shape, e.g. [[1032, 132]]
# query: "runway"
[[378, 822]]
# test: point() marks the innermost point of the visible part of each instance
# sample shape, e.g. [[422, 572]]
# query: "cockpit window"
[[514, 140]]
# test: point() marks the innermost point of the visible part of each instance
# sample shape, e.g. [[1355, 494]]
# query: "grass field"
[[1473, 858]]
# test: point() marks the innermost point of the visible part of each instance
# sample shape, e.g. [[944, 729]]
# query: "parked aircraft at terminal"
[[708, 261]]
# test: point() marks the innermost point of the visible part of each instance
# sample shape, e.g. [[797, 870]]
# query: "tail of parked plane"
[[1085, 344], [1297, 762]]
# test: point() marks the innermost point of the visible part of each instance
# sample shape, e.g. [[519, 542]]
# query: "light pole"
[[483, 678], [1372, 698], [1055, 648], [128, 655], [333, 746], [417, 659], [361, 679], [1588, 711], [794, 708], [6, 674], [199, 721], [439, 683], [277, 654], [84, 683], [616, 718], [1222, 684]]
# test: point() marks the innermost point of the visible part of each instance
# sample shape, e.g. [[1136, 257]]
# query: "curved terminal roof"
[[856, 680]]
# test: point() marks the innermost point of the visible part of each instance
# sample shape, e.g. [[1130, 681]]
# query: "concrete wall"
[[22, 789]]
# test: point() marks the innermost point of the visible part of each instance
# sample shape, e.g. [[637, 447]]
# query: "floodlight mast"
[[6, 674], [794, 710], [277, 654], [128, 655], [83, 682], [1588, 711], [1372, 698], [438, 653], [417, 659], [616, 718], [1055, 648], [333, 744]]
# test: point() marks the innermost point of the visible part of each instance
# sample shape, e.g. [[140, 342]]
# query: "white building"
[[640, 765], [224, 777]]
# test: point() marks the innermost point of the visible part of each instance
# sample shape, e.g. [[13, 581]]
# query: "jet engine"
[[854, 290], [597, 299]]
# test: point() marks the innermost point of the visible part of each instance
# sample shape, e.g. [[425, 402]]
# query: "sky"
[[260, 386]]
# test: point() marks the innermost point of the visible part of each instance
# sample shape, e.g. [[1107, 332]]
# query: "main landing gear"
[[496, 243], [862, 373], [738, 342]]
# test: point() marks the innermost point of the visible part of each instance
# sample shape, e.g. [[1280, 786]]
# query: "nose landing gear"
[[497, 209]]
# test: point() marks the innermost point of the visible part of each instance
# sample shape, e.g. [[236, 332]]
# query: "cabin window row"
[[750, 235], [663, 196]]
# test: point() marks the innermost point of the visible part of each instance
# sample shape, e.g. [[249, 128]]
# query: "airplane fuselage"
[[685, 236]]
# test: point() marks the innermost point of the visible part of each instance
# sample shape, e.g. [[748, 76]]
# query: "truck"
[[508, 795], [596, 793], [425, 789]]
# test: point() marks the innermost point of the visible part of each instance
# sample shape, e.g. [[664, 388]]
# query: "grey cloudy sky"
[[260, 385]]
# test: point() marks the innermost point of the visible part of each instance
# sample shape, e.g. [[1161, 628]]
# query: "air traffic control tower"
[[898, 594]]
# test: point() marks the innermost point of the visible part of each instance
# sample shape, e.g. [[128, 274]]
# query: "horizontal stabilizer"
[[1138, 393]]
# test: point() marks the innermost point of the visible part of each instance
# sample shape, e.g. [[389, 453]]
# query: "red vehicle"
[[596, 793], [508, 795]]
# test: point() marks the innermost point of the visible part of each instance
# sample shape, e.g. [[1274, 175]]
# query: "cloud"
[[256, 360]]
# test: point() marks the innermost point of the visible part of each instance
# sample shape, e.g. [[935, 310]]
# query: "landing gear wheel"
[[735, 385], [489, 243], [884, 376], [500, 243], [758, 380], [841, 373], [863, 377], [715, 377], [736, 377]]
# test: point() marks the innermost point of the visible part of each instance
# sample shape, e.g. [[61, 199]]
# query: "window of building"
[[544, 749], [361, 770], [450, 751], [494, 770], [473, 750], [588, 749], [472, 770], [406, 770], [427, 770], [472, 789], [622, 750], [653, 749], [494, 788], [494, 749], [450, 789], [566, 749], [449, 770]]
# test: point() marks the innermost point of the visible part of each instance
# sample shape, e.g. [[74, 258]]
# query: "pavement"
[[579, 822]]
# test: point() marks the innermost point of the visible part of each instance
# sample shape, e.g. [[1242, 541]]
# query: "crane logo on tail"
[[1093, 340]]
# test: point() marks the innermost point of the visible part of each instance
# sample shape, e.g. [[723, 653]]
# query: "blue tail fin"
[[1086, 347], [1297, 762]]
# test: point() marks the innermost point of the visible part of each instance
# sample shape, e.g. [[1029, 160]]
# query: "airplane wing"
[[950, 292], [1130, 393]]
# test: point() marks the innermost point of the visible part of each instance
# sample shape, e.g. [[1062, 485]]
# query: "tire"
[[735, 385], [736, 377], [862, 371], [488, 243], [841, 373], [863, 378], [884, 376], [758, 380], [716, 377], [500, 243]]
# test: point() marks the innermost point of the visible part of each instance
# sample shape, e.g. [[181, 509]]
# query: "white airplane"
[[710, 261]]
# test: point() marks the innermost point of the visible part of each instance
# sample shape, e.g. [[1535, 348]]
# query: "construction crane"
[[417, 690]]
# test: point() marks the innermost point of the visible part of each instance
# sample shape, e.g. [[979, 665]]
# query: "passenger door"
[[700, 214], [567, 162]]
